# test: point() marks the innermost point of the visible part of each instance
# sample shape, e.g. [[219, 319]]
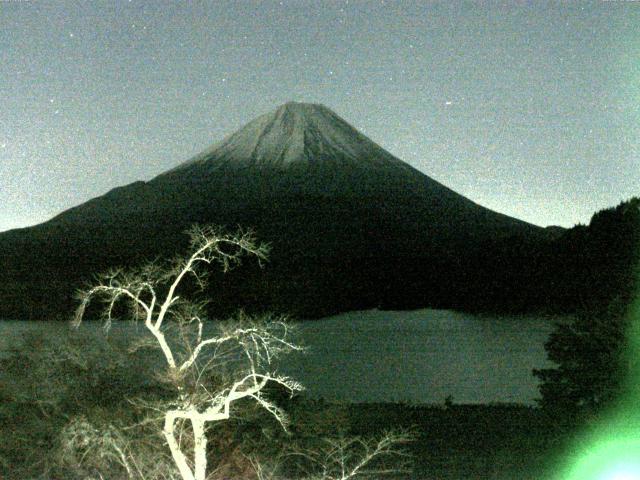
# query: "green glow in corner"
[[613, 459], [612, 450], [623, 473]]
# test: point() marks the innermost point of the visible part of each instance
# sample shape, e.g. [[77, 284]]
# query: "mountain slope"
[[351, 225], [295, 133]]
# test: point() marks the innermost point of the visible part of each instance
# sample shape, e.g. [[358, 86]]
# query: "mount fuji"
[[351, 226]]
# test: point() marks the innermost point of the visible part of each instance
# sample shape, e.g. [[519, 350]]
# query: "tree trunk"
[[176, 453], [199, 449]]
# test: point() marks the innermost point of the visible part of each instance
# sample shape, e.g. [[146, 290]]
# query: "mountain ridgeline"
[[350, 227]]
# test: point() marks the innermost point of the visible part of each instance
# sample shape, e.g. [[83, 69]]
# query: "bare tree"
[[350, 458], [345, 458], [247, 346], [210, 368]]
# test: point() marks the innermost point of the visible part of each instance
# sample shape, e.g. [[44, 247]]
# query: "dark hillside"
[[350, 226]]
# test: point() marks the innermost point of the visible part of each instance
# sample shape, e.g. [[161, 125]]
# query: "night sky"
[[531, 109]]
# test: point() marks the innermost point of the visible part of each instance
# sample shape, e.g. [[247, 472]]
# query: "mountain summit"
[[294, 133], [303, 149], [350, 225]]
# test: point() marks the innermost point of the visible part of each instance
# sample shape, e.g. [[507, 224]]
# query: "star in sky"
[[138, 104]]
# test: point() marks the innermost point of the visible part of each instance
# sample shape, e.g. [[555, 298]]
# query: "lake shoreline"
[[417, 357]]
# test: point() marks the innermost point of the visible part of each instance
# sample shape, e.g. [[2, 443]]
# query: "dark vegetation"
[[590, 371], [592, 351], [81, 380], [589, 270], [53, 378], [337, 255], [83, 377], [584, 269], [501, 441]]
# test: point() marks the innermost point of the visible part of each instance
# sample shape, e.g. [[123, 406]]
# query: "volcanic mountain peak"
[[352, 226], [293, 133]]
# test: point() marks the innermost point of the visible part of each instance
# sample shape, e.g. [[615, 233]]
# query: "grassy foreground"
[[497, 442], [48, 383], [461, 442]]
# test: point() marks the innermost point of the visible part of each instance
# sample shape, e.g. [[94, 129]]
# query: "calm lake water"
[[418, 356]]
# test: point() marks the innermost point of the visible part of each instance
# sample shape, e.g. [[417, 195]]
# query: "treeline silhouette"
[[317, 267], [580, 269]]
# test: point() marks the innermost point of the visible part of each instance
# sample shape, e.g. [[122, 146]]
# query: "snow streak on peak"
[[295, 133]]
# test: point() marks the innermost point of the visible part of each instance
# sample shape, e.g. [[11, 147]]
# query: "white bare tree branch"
[[345, 458], [211, 372], [151, 294]]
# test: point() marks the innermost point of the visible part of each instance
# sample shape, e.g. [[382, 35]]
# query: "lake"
[[419, 356]]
